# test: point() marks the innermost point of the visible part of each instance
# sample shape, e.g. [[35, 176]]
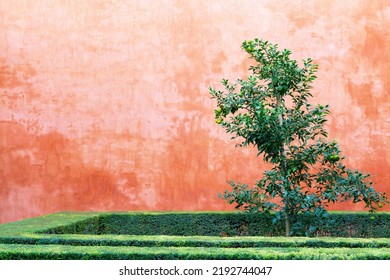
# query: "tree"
[[271, 111]]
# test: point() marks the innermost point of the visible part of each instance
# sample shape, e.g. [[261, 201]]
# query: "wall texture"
[[104, 104]]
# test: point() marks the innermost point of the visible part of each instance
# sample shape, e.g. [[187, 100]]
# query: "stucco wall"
[[104, 104]]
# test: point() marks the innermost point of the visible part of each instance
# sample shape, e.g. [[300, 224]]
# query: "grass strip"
[[45, 222]]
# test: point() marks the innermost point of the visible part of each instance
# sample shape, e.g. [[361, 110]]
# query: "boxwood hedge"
[[188, 253], [221, 224], [201, 235], [195, 241]]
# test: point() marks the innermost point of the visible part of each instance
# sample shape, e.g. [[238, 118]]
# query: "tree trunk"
[[287, 226], [280, 118], [283, 165]]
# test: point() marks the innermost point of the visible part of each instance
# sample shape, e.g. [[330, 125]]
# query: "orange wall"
[[104, 104]]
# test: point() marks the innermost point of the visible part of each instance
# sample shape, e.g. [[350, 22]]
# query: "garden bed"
[[204, 235]]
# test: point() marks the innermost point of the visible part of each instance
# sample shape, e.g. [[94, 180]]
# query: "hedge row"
[[204, 242], [91, 236], [53, 252], [222, 224]]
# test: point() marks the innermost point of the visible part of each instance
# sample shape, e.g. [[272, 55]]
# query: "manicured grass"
[[26, 240], [43, 223]]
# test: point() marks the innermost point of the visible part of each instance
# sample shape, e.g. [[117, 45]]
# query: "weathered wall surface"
[[104, 104]]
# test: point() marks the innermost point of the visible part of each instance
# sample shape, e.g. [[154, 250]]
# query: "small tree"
[[271, 111]]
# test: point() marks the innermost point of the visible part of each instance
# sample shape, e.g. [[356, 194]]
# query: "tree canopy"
[[271, 111]]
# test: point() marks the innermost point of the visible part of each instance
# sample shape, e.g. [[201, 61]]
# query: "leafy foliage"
[[271, 111]]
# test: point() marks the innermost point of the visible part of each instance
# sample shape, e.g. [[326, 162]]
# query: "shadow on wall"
[[186, 176], [46, 173]]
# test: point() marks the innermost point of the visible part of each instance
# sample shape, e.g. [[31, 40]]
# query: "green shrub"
[[93, 236], [31, 252], [222, 224], [184, 224], [211, 241]]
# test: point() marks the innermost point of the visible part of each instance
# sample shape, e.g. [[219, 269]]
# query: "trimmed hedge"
[[221, 224], [182, 224], [30, 252], [91, 236], [175, 241]]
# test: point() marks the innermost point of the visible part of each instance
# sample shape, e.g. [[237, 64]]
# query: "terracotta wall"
[[104, 104]]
